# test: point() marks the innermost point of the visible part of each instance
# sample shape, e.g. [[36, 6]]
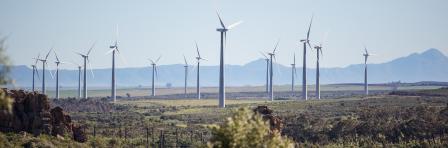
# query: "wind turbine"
[[305, 42], [271, 72], [86, 60], [267, 71], [293, 74], [186, 76], [35, 71], [154, 73], [114, 48], [318, 53], [198, 58], [366, 86], [57, 74], [44, 61], [223, 32]]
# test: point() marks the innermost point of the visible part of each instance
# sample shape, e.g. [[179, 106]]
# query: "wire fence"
[[153, 137]]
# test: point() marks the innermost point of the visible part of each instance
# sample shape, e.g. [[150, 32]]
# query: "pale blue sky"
[[149, 28]]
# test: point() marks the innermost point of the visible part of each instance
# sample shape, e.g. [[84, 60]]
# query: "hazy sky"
[[149, 28]]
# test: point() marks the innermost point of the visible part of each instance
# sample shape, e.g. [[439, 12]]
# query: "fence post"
[[120, 132], [191, 136], [147, 137], [152, 136], [161, 143], [125, 134], [202, 137], [177, 138], [94, 130]]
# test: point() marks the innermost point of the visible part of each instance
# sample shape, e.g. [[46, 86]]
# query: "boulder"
[[31, 113], [275, 122]]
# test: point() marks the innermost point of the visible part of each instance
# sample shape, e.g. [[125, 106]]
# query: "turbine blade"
[[185, 59], [264, 55], [48, 54], [122, 59], [90, 68], [276, 45], [235, 24], [51, 74], [197, 49], [37, 72], [158, 59], [365, 49], [73, 63], [108, 52], [220, 20], [56, 55], [309, 45], [294, 58], [277, 69], [321, 53], [157, 72], [79, 53], [91, 47], [36, 59], [295, 71], [152, 62], [309, 28]]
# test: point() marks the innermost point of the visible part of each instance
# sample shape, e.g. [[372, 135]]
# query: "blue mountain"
[[430, 65]]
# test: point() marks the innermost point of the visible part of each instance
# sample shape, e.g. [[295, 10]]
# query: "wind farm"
[[222, 82]]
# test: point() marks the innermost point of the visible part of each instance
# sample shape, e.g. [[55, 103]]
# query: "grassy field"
[[186, 120], [186, 102], [103, 92], [411, 119]]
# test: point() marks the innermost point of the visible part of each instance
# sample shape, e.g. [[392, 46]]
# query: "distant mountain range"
[[431, 65]]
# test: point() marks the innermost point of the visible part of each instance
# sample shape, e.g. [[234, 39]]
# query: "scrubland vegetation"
[[399, 119]]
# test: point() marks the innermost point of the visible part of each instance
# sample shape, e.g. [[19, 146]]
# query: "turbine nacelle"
[[222, 30]]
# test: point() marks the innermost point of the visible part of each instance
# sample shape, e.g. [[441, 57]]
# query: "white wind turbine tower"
[[271, 72], [44, 61], [318, 53], [86, 60], [223, 31], [79, 81], [366, 85], [186, 77], [114, 49], [198, 86], [266, 58], [57, 74], [154, 73], [35, 71], [305, 42], [293, 74]]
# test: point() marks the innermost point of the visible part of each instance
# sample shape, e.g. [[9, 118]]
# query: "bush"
[[5, 102], [246, 130]]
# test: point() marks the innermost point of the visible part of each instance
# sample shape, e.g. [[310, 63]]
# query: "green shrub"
[[246, 130]]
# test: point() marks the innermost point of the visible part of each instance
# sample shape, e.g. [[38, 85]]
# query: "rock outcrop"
[[31, 113]]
